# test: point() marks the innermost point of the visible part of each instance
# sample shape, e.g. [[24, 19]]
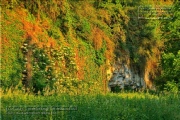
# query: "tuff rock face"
[[122, 76]]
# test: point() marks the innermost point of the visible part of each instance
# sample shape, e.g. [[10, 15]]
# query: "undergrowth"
[[111, 106]]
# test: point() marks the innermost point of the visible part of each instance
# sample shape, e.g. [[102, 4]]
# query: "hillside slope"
[[72, 46]]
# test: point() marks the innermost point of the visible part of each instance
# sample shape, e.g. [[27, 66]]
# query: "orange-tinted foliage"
[[36, 30], [110, 49], [80, 62], [106, 17], [45, 24], [4, 41], [98, 37]]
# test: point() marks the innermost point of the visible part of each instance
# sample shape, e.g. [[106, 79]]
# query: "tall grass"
[[112, 106]]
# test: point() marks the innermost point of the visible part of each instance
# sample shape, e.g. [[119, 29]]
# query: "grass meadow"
[[111, 106]]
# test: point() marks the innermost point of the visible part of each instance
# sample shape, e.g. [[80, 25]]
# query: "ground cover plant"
[[112, 106]]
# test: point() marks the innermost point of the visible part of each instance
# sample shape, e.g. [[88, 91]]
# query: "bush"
[[171, 86], [170, 71], [100, 56]]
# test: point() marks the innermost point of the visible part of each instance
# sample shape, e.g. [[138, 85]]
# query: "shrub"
[[171, 86]]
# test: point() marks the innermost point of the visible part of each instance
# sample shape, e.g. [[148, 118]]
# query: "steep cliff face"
[[78, 45]]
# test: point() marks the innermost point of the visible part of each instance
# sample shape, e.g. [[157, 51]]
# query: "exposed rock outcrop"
[[123, 76]]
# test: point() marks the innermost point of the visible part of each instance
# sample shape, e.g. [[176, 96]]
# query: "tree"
[[171, 57]]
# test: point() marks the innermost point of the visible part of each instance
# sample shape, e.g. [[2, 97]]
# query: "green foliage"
[[171, 86], [53, 32], [171, 31], [83, 29], [31, 18], [41, 75], [69, 85], [138, 41], [46, 73], [39, 81], [171, 56], [171, 70], [11, 57], [141, 106], [100, 56], [81, 25], [92, 76], [65, 20], [69, 59], [86, 28], [64, 70]]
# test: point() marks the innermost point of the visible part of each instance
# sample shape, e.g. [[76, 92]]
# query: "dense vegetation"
[[123, 106], [56, 47], [69, 45]]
